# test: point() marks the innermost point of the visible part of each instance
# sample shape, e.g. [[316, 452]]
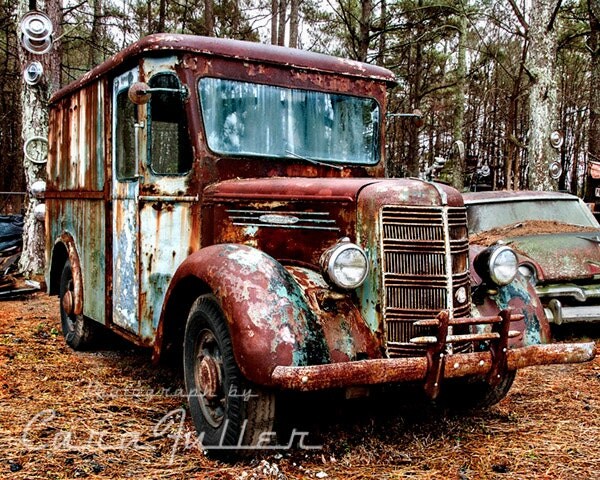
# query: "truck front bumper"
[[439, 362], [559, 314], [395, 370]]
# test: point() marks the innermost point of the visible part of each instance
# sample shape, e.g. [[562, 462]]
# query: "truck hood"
[[562, 256], [408, 191]]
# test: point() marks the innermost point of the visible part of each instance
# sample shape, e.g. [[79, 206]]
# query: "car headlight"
[[345, 265], [497, 264]]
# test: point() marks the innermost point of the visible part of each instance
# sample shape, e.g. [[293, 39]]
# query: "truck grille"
[[416, 277]]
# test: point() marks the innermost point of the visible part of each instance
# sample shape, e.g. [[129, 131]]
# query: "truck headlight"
[[345, 265], [497, 264]]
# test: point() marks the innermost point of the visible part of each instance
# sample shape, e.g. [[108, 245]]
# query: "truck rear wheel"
[[473, 394], [227, 411], [79, 332]]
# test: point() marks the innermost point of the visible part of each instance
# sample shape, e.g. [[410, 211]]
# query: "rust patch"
[[531, 227]]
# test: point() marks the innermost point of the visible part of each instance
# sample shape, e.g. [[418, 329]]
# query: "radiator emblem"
[[279, 219]]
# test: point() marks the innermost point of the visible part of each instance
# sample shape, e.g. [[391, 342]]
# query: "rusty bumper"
[[395, 370]]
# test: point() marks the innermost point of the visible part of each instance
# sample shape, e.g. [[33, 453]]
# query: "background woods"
[[495, 77]]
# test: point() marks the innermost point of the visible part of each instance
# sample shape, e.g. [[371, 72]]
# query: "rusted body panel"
[[561, 257], [269, 317], [76, 193], [239, 51]]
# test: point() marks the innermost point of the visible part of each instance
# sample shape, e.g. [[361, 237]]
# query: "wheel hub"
[[67, 302], [209, 377]]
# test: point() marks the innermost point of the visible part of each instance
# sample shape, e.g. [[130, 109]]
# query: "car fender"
[[521, 298], [269, 318]]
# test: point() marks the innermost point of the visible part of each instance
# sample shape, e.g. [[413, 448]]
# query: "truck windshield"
[[243, 118]]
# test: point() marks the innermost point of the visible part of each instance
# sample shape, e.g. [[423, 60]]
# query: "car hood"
[[561, 256]]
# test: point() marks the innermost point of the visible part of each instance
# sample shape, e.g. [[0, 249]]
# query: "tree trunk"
[[209, 19], [412, 161], [35, 124], [281, 30], [294, 22], [594, 124], [274, 18], [96, 35], [543, 103], [458, 120], [365, 29], [415, 88], [382, 34], [162, 15]]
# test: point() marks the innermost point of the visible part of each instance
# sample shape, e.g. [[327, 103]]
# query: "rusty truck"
[[226, 203]]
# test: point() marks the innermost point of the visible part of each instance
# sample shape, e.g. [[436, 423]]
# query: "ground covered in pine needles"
[[109, 414]]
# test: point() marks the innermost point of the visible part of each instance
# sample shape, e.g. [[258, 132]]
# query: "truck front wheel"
[[473, 394], [228, 413]]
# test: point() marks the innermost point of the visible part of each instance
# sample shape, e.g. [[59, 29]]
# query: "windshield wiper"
[[313, 161]]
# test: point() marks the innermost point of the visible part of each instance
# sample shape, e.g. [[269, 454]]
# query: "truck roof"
[[238, 49]]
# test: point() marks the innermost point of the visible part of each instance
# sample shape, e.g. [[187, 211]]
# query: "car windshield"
[[488, 216], [243, 118]]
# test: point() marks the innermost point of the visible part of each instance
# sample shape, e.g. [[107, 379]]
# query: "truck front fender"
[[269, 319]]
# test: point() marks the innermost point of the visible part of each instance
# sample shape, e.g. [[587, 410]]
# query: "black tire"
[[227, 410], [474, 394], [79, 332]]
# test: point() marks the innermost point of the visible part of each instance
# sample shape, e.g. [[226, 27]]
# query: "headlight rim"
[[531, 276]]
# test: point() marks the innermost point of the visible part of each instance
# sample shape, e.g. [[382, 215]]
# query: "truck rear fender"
[[64, 249]]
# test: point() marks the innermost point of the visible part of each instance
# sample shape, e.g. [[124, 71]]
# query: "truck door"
[[152, 219], [127, 118]]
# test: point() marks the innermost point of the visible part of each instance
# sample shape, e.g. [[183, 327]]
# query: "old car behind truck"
[[557, 239], [226, 202]]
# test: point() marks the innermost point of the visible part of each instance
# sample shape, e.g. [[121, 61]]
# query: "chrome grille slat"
[[415, 280]]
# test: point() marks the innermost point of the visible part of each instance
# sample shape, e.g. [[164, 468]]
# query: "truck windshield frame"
[[251, 119]]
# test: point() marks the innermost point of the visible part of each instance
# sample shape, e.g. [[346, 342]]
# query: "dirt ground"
[[109, 414]]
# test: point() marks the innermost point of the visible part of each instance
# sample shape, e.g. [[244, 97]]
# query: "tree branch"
[[519, 15], [553, 17]]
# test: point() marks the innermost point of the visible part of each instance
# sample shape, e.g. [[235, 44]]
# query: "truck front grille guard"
[[490, 363], [437, 345]]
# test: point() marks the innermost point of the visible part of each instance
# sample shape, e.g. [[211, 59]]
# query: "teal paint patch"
[[309, 345], [368, 292], [513, 294], [345, 343], [160, 284]]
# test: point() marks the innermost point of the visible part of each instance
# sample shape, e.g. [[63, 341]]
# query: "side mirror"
[[416, 116], [140, 92]]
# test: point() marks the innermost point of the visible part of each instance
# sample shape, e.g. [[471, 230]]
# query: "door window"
[[170, 151], [126, 114]]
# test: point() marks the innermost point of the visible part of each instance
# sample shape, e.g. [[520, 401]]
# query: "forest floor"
[[110, 414]]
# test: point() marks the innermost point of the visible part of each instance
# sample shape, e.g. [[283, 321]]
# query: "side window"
[[125, 141], [170, 151]]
